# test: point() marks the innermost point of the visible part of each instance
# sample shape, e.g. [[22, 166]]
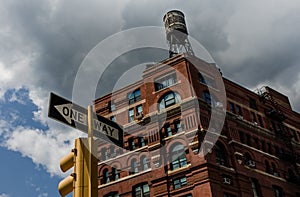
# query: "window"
[[277, 152], [274, 169], [139, 110], [239, 110], [242, 137], [252, 103], [134, 167], [255, 187], [115, 173], [249, 161], [206, 97], [294, 135], [253, 117], [131, 115], [201, 78], [178, 126], [113, 151], [168, 130], [112, 107], [178, 157], [165, 82], [104, 155], [278, 192], [131, 144], [169, 100], [269, 148], [144, 163], [178, 183], [208, 80], [221, 155], [112, 194], [248, 139], [141, 141], [263, 146], [267, 167], [231, 107], [134, 96], [141, 191], [105, 176], [260, 121]]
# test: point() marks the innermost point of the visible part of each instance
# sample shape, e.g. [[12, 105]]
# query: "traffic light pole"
[[92, 161]]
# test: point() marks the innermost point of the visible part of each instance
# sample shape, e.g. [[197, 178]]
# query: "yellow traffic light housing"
[[66, 186], [85, 171]]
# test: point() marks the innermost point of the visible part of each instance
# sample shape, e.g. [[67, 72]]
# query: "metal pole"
[[92, 158], [90, 144]]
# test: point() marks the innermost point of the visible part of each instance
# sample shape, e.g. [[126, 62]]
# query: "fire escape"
[[281, 132], [277, 116]]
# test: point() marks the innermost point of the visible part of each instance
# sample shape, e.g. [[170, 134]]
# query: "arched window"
[[115, 173], [141, 190], [144, 163], [169, 100], [178, 157], [135, 96], [134, 166], [221, 154], [105, 176]]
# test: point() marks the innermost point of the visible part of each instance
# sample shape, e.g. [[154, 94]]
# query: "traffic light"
[[83, 181]]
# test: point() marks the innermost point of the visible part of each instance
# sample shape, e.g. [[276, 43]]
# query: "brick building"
[[166, 117]]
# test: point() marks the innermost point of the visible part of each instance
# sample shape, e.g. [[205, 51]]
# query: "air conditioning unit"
[[276, 174], [250, 163], [255, 123], [226, 180], [139, 116]]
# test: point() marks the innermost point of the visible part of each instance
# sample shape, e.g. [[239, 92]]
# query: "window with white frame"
[[169, 100], [141, 190], [165, 82]]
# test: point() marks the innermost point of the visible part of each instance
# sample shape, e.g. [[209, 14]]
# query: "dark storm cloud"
[[60, 33]]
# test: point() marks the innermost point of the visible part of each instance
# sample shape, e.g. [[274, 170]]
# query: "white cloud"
[[44, 148], [4, 195]]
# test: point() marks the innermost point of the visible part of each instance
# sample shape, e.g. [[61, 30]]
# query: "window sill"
[[170, 172]]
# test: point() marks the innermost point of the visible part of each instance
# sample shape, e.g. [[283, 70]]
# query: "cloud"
[[4, 195], [42, 44], [45, 149]]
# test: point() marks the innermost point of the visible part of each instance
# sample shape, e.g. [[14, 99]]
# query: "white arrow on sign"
[[67, 111], [70, 114]]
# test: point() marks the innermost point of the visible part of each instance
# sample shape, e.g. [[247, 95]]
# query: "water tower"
[[176, 33]]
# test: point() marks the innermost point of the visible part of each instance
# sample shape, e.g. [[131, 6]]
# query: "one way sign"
[[76, 116]]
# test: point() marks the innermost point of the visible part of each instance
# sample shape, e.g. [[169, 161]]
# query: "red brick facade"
[[257, 152]]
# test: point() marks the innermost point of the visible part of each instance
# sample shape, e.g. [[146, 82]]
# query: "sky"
[[43, 44]]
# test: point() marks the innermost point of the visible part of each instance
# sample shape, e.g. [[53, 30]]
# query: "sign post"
[[93, 186]]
